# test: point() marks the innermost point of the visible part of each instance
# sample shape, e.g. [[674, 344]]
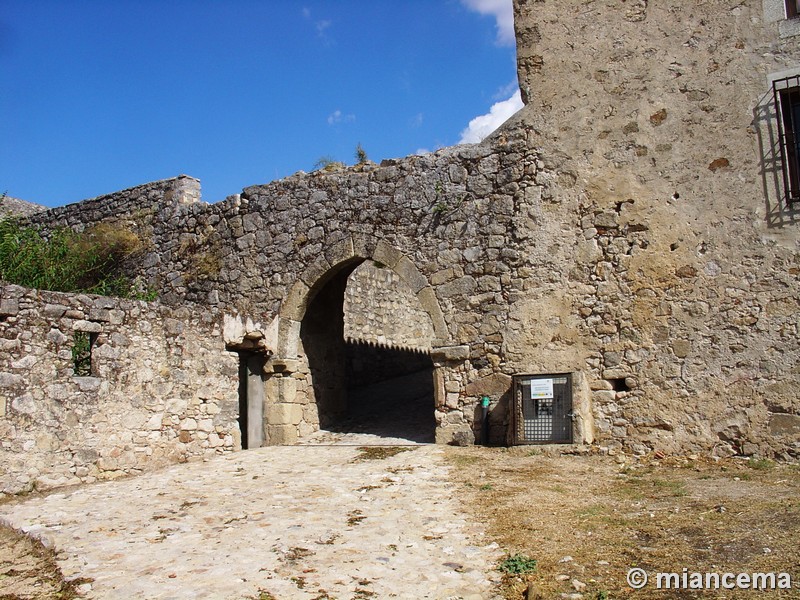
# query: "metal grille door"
[[543, 409]]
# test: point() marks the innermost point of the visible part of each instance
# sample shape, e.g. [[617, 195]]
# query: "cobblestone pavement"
[[301, 522]]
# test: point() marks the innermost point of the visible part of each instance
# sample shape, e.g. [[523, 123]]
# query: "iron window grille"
[[786, 93]]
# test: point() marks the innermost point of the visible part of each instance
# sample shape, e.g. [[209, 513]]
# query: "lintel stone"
[[450, 353]]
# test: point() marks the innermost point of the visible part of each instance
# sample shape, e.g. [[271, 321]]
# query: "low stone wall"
[[160, 388]]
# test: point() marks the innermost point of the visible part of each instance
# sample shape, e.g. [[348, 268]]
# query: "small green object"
[[485, 401], [518, 564]]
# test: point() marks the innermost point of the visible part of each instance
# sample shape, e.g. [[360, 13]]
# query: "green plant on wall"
[[328, 163], [91, 261], [361, 154]]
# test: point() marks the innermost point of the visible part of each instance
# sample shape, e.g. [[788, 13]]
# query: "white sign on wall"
[[541, 388]]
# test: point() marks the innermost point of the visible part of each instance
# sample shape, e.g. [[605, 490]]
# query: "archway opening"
[[367, 342]]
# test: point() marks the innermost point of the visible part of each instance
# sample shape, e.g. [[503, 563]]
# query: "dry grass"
[[380, 452], [592, 518]]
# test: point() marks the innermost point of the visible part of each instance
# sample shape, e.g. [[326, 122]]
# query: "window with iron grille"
[[792, 8], [786, 93]]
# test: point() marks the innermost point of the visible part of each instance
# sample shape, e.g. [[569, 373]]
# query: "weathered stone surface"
[[125, 404], [784, 425], [494, 385], [450, 353], [587, 236]]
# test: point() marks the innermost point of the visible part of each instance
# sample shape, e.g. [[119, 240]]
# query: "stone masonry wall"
[[380, 308], [627, 226], [162, 388], [680, 301]]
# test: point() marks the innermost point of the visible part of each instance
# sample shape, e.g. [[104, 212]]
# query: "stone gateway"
[[631, 234]]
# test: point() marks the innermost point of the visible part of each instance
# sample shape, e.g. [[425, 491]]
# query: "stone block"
[[340, 251], [316, 271], [281, 435], [450, 434], [463, 286], [387, 254], [188, 425], [284, 414], [88, 384], [52, 311], [24, 404], [9, 307], [8, 380], [286, 388], [288, 338], [206, 425], [296, 301], [100, 314], [604, 396], [430, 304], [681, 348], [784, 425], [87, 326], [494, 386], [450, 353], [601, 384], [410, 274]]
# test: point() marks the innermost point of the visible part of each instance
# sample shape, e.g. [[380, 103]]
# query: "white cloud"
[[502, 11], [416, 120], [321, 26], [338, 117], [499, 113]]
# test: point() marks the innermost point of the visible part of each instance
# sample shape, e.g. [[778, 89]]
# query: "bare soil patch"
[[586, 520], [28, 569]]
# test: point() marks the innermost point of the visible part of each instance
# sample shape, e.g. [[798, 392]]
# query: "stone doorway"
[[367, 342]]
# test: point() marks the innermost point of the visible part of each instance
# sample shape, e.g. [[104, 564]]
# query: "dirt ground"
[[586, 520], [28, 570]]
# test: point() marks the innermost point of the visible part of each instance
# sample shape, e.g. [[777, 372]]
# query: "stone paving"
[[301, 522]]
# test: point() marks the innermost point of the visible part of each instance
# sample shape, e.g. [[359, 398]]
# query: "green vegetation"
[[82, 354], [760, 464], [66, 261], [361, 154], [328, 163], [518, 564]]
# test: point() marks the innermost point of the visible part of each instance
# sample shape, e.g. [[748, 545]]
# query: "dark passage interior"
[[361, 386]]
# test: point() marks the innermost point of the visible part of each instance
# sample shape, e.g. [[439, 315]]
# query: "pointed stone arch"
[[348, 253], [290, 409]]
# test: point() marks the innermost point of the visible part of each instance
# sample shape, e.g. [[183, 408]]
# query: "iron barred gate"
[[542, 409]]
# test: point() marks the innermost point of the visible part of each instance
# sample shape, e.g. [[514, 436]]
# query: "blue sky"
[[101, 95]]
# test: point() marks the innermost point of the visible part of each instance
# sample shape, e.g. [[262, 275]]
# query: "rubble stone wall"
[[161, 388], [379, 308], [628, 226]]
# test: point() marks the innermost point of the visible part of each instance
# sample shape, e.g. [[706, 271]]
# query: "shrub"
[[361, 154], [92, 261]]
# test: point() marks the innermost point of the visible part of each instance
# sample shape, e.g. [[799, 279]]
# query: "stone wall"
[[160, 388], [679, 299], [627, 226], [379, 308]]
